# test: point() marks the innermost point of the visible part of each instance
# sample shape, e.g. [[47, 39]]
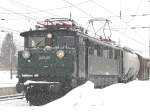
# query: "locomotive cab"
[[44, 56]]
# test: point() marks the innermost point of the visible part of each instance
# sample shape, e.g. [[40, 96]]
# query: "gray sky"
[[20, 15]]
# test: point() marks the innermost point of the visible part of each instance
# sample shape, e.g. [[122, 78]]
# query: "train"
[[59, 55]]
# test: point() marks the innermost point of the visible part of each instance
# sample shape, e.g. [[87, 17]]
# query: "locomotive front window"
[[36, 42], [53, 39], [65, 41]]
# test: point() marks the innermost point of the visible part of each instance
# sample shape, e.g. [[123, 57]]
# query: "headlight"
[[49, 35], [60, 54], [26, 54]]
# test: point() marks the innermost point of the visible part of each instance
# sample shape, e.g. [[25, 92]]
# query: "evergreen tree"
[[8, 52]]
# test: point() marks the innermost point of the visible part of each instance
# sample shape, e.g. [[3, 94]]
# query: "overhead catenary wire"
[[81, 10], [31, 8], [136, 12], [8, 10], [72, 5], [129, 37], [48, 10], [109, 11]]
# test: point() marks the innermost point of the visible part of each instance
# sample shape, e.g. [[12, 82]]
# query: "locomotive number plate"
[[44, 57]]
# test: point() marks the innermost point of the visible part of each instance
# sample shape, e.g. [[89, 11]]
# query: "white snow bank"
[[74, 98], [130, 97], [134, 96], [5, 80]]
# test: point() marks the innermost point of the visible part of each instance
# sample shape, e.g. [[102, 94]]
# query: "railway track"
[[11, 97]]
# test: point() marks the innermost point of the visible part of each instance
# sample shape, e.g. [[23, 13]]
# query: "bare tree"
[[8, 51]]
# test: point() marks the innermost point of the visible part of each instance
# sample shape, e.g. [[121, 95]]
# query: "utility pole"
[[11, 55], [149, 42], [149, 37], [119, 42]]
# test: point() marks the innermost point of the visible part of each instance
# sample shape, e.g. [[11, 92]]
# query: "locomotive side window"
[[99, 50], [95, 50], [81, 41], [105, 52], [111, 53], [117, 54], [91, 48], [91, 51], [81, 45]]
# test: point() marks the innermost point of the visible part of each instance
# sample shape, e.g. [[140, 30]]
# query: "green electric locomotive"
[[47, 67]]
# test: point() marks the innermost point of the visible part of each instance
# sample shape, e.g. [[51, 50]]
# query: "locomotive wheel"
[[19, 87], [38, 96]]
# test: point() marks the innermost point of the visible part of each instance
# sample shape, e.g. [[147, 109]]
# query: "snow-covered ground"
[[130, 97], [5, 80]]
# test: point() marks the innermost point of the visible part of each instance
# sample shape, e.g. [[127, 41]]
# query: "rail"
[[11, 97]]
